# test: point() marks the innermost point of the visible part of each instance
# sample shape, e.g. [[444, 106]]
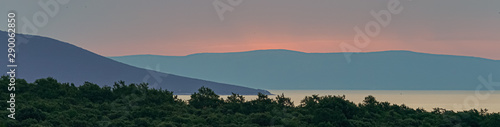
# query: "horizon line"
[[24, 34], [246, 51]]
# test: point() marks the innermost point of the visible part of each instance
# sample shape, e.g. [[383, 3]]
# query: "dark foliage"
[[47, 102]]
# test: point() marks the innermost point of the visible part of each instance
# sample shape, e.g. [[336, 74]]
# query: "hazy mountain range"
[[43, 57], [284, 69]]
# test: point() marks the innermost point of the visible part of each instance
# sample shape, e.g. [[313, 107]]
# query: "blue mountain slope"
[[43, 57], [283, 69]]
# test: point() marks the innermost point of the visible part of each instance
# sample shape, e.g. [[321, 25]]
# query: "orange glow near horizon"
[[326, 46], [253, 37]]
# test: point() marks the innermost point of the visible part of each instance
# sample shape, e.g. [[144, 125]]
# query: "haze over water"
[[449, 100]]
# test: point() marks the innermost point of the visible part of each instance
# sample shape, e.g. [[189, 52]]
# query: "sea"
[[424, 99]]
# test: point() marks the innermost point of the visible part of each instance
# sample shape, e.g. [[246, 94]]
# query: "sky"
[[182, 27]]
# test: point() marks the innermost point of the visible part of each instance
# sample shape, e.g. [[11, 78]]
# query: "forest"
[[47, 102]]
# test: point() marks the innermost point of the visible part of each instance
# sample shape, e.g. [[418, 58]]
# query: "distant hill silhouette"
[[284, 69], [43, 57]]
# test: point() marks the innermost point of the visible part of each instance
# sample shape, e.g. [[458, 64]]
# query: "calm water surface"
[[450, 100]]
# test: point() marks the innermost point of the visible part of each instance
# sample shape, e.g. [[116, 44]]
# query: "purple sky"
[[181, 27]]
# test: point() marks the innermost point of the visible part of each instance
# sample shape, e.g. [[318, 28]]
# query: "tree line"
[[46, 102]]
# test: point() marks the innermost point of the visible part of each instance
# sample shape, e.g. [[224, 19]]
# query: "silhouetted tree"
[[205, 97]]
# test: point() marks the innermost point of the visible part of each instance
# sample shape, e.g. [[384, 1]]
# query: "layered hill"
[[284, 69], [42, 57]]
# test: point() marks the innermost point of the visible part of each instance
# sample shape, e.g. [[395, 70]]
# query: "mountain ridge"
[[299, 52], [42, 57], [382, 70]]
